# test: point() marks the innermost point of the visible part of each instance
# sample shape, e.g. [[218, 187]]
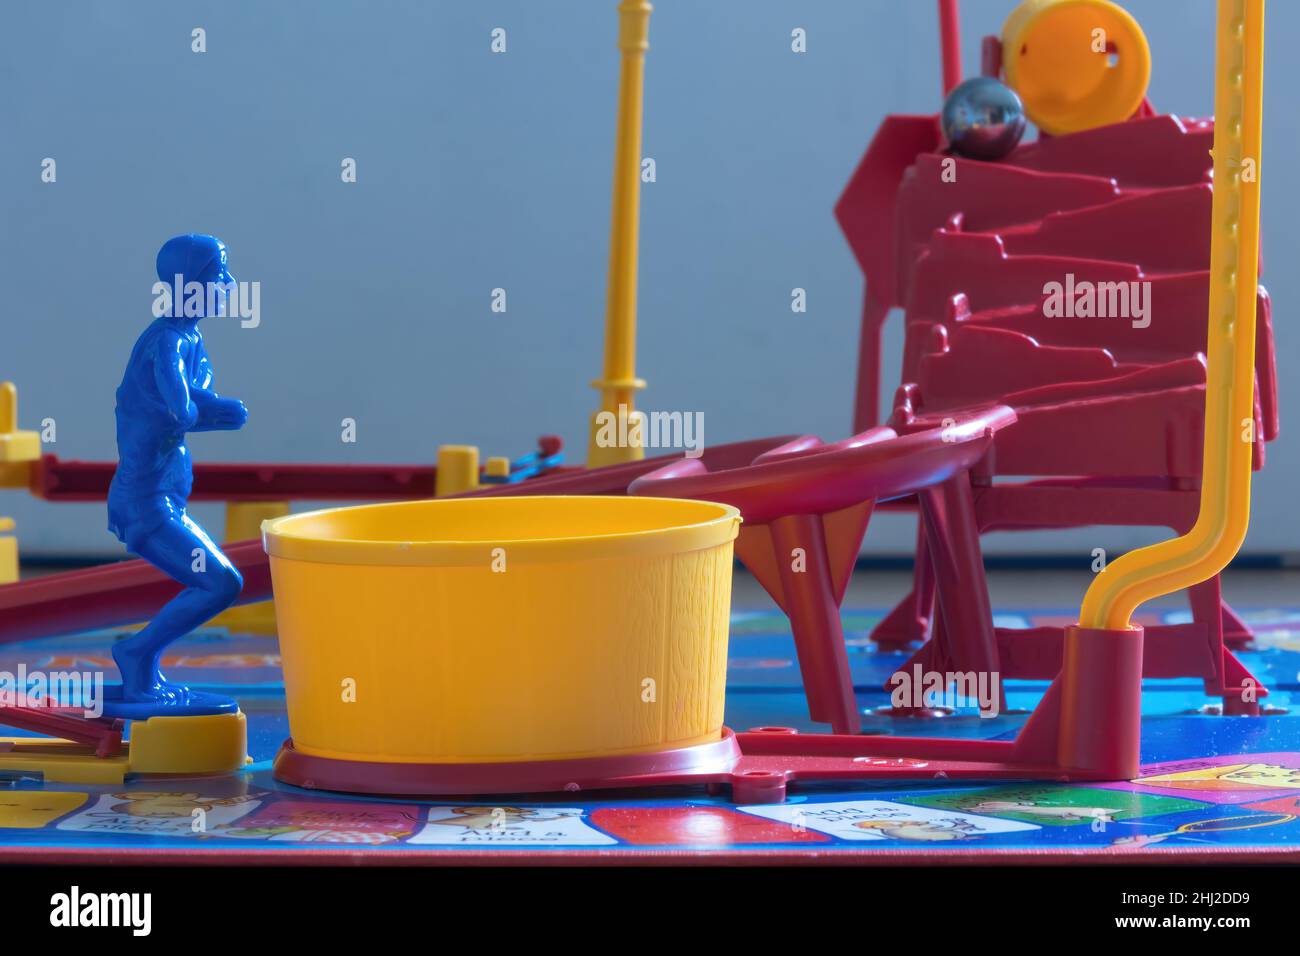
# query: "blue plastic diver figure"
[[166, 392]]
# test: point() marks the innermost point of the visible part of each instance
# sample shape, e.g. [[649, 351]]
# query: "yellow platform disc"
[[217, 743]]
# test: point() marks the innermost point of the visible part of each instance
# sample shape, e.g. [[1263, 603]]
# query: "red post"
[[950, 44], [815, 620], [1101, 702]]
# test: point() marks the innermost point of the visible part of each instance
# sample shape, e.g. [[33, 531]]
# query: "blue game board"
[[1211, 788]]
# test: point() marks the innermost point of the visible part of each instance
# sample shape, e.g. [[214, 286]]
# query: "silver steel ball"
[[983, 118]]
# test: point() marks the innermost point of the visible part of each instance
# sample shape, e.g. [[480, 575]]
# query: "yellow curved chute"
[[1229, 393]]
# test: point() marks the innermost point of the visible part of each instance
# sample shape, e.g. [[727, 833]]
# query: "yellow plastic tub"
[[503, 629], [1054, 54]]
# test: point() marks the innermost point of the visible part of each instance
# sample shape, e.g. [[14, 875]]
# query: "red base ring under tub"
[[702, 763]]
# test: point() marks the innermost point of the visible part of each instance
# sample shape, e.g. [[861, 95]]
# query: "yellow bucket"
[[1077, 64], [503, 629]]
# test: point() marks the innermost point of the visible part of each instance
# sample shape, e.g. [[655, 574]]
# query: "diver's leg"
[[210, 586]]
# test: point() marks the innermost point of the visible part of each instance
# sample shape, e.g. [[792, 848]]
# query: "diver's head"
[[195, 258]]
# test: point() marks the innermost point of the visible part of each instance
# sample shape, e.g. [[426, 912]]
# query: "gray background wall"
[[479, 171]]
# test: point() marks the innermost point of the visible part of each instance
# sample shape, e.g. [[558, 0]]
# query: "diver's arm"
[[170, 376], [203, 368], [214, 412]]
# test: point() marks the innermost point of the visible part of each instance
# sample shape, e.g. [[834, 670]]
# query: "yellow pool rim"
[[674, 526]]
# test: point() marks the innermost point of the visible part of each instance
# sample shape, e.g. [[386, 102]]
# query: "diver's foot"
[[163, 699], [142, 680], [156, 690]]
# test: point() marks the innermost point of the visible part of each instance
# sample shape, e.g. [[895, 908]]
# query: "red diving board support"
[[67, 723]]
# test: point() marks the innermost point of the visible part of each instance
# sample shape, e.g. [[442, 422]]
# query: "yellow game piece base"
[[212, 744]]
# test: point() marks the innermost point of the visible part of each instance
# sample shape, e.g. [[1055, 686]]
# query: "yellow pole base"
[[616, 437]]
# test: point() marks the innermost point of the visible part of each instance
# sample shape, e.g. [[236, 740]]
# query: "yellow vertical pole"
[[1230, 356], [616, 426], [8, 407]]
